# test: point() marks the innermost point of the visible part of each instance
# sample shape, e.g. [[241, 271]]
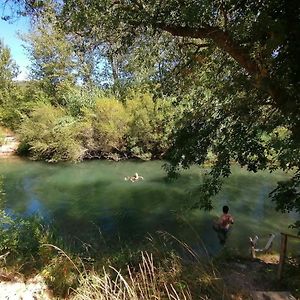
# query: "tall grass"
[[146, 283], [165, 277]]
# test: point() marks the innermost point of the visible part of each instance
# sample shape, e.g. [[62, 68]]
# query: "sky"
[[9, 35]]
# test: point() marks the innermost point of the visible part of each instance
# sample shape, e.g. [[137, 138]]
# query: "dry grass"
[[167, 277], [146, 283]]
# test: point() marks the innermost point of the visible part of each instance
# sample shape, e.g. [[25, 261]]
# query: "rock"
[[9, 146], [264, 295], [33, 289]]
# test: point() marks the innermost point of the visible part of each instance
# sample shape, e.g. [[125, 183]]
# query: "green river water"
[[78, 198]]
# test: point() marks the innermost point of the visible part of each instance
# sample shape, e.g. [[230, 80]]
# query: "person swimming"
[[134, 178]]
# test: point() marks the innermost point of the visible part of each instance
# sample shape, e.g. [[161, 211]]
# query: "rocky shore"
[[9, 144]]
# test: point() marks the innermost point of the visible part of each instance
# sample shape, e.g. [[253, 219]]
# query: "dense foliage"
[[108, 128], [232, 65]]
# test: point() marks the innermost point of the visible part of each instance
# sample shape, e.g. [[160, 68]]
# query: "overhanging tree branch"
[[260, 76], [221, 39]]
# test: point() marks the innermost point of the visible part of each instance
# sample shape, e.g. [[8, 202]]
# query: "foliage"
[[241, 91], [52, 59], [60, 275], [51, 134], [235, 63], [8, 92], [8, 71], [20, 238], [92, 125], [108, 122], [288, 190], [146, 283], [2, 136], [80, 98], [151, 123], [16, 98]]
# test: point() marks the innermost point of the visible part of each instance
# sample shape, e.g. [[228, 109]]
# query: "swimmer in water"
[[134, 178]]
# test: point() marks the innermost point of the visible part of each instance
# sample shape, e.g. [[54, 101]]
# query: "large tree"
[[8, 71], [237, 61], [8, 88]]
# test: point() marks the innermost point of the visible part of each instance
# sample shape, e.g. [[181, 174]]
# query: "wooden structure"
[[266, 249], [283, 247]]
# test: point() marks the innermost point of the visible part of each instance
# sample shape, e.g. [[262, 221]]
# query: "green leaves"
[[233, 66]]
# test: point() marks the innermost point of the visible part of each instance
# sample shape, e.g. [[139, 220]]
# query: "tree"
[[232, 26], [236, 61], [8, 69], [151, 122], [52, 57], [8, 89]]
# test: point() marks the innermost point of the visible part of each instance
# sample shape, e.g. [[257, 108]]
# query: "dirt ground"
[[246, 276]]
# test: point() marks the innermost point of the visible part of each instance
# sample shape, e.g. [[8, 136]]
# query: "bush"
[[151, 124], [105, 126], [20, 238], [79, 98], [52, 134], [88, 127]]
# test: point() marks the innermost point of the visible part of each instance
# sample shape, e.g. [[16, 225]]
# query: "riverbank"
[[9, 142], [37, 264], [247, 278], [234, 277]]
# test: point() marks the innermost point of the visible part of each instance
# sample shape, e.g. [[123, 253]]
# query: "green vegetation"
[[231, 69], [180, 80], [1, 137], [137, 127]]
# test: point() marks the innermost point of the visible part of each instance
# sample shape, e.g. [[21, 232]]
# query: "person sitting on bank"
[[134, 178]]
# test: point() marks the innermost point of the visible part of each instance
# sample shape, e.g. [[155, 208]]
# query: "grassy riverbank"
[[160, 267]]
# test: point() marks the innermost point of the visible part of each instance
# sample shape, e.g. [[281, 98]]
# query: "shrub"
[[105, 126], [52, 134], [151, 124], [20, 238], [79, 98]]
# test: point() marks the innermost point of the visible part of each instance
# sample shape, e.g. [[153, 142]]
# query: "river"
[[77, 198]]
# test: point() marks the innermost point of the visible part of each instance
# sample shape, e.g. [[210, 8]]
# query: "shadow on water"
[[83, 199]]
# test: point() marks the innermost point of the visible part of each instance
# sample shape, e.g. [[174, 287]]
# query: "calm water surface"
[[78, 198]]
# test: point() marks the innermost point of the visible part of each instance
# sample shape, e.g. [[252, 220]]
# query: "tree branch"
[[221, 39], [261, 79]]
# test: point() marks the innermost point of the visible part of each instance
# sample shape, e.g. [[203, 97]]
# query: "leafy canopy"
[[234, 62]]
